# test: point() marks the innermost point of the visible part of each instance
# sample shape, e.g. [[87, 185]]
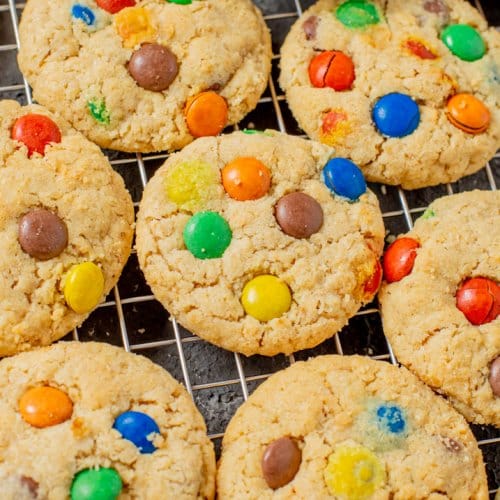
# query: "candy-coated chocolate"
[[396, 115], [354, 472], [428, 214], [206, 114], [373, 283], [335, 126], [98, 111], [207, 235], [190, 184], [44, 406], [357, 14], [494, 377], [31, 484], [310, 27], [138, 428], [333, 69], [96, 484], [299, 215], [42, 234], [280, 462], [181, 2], [266, 297], [83, 13], [399, 259], [436, 7], [468, 113], [246, 178], [344, 178], [114, 6], [464, 41], [83, 287], [134, 26], [451, 444], [35, 132], [153, 67], [391, 419], [479, 300], [419, 49]]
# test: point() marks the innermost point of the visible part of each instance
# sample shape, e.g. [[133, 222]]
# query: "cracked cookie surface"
[[73, 180], [420, 312], [361, 429], [82, 71], [264, 291], [400, 51], [102, 382]]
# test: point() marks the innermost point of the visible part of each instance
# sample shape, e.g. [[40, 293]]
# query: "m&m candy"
[[206, 114], [299, 215], [96, 484], [246, 178], [357, 14], [83, 13], [266, 297], [45, 406], [114, 6], [494, 377], [83, 287], [396, 115], [280, 462], [468, 113], [98, 111], [479, 300], [399, 259], [36, 132], [134, 26], [372, 284], [464, 41], [138, 428], [344, 178], [333, 69]]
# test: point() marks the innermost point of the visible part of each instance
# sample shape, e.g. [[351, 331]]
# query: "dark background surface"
[[219, 380]]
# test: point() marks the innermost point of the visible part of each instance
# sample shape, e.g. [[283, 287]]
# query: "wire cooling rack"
[[220, 381]]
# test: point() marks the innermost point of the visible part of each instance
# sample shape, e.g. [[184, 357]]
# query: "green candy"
[[207, 235], [180, 2], [357, 14], [97, 109], [428, 214], [464, 41], [96, 484]]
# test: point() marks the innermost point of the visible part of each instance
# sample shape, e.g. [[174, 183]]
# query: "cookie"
[[89, 420], [66, 226], [348, 427], [260, 242], [441, 299], [144, 76], [410, 91]]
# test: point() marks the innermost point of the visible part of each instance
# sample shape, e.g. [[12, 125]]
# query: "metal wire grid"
[[170, 344]]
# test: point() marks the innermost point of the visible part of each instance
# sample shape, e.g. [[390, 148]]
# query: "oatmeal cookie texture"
[[441, 299], [148, 75], [66, 227], [260, 242], [407, 90], [125, 428], [348, 427]]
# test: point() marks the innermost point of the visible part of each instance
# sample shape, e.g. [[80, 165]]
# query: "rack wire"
[[217, 380]]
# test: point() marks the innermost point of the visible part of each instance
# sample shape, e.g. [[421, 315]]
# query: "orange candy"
[[468, 113], [206, 114], [246, 179], [44, 406], [419, 49]]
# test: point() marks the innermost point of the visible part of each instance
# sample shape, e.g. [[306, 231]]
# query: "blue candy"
[[83, 13], [391, 419], [344, 178], [396, 115], [136, 427]]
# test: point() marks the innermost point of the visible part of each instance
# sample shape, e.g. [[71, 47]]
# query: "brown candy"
[[42, 234], [153, 67], [280, 462], [31, 484], [310, 26], [299, 215], [451, 444], [438, 7], [495, 376]]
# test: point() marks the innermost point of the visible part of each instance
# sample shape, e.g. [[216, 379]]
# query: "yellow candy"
[[190, 184], [354, 472], [133, 24], [83, 287], [266, 297]]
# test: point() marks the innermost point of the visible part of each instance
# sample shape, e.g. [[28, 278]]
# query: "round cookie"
[[144, 76], [90, 445], [260, 243], [441, 325], [66, 227], [407, 90], [348, 427]]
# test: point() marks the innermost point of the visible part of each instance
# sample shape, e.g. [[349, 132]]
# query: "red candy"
[[114, 6], [479, 300], [332, 68], [419, 49], [399, 259], [373, 283], [35, 131]]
